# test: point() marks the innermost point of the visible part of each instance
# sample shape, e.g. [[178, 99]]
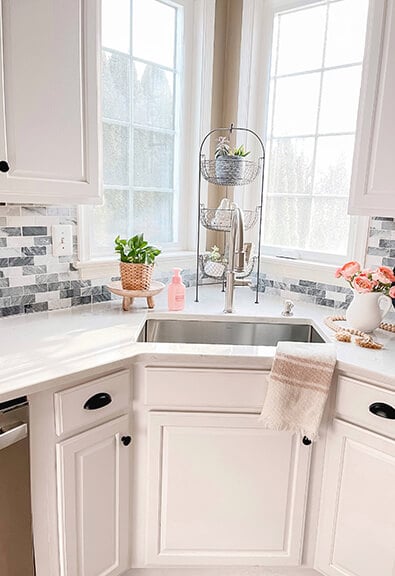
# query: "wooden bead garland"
[[362, 339]]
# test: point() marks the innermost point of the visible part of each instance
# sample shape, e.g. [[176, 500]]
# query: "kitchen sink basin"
[[225, 332]]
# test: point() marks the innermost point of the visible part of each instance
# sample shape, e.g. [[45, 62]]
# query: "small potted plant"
[[230, 165], [137, 262], [215, 263]]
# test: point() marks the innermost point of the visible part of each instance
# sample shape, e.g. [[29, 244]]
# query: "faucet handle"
[[288, 305]]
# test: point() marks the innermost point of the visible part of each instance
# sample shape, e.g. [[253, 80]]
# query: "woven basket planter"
[[136, 276]]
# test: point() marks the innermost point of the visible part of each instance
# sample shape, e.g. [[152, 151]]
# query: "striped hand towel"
[[298, 387]]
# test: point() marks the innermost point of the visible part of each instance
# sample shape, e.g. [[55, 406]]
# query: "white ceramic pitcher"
[[367, 310]]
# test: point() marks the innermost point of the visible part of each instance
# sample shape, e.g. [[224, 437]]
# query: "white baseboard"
[[222, 571]]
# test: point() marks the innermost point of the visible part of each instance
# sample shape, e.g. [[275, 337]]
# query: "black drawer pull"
[[97, 401], [306, 441], [4, 166], [126, 440], [382, 410]]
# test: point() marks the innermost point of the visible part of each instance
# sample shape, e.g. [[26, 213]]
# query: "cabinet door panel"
[[357, 532], [223, 490], [373, 181], [93, 485], [48, 100]]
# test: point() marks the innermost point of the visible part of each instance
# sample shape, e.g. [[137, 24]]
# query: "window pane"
[[153, 96], [153, 214], [110, 220], [340, 96], [333, 165], [329, 226], [290, 165], [299, 51], [116, 105], [154, 27], [116, 154], [345, 43], [287, 221], [115, 24], [296, 105], [153, 159]]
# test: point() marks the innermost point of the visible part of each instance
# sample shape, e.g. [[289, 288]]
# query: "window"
[[317, 51], [143, 99], [142, 93]]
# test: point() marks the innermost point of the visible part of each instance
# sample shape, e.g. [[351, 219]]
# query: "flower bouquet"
[[373, 291]]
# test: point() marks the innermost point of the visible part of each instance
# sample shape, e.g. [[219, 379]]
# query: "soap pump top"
[[176, 291], [176, 279]]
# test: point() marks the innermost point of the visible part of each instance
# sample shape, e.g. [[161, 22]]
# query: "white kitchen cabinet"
[[93, 501], [373, 181], [222, 490], [357, 528], [49, 101]]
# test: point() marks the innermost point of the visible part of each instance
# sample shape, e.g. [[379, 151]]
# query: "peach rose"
[[391, 293], [362, 284], [348, 270], [384, 274], [379, 276]]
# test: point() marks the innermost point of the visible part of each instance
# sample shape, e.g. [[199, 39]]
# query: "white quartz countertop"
[[39, 349]]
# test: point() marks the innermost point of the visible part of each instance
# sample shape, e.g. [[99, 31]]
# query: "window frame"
[[253, 103], [198, 35]]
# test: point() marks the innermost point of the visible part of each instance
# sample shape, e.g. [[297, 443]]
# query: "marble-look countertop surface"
[[41, 349]]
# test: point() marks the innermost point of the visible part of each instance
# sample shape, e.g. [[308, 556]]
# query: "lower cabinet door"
[[93, 501], [357, 527], [223, 490]]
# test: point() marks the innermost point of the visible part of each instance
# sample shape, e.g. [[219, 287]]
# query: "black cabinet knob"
[[382, 410], [97, 401], [306, 441], [126, 440], [4, 166]]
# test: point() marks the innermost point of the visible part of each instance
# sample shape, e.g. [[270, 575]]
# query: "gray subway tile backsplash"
[[34, 230], [40, 281]]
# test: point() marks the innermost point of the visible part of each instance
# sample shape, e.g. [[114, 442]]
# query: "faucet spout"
[[236, 260], [236, 241]]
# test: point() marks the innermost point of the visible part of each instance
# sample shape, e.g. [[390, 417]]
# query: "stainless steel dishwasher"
[[16, 541]]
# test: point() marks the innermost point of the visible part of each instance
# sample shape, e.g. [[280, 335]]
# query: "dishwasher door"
[[16, 541]]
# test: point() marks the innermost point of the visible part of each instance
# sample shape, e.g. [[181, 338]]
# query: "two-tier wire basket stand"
[[241, 172]]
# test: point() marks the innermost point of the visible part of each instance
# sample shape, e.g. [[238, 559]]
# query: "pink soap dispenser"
[[176, 291]]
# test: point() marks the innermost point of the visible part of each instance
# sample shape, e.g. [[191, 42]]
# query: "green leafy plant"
[[216, 256], [223, 149], [136, 250]]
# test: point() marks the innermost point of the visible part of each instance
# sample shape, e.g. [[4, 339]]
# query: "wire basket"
[[230, 170], [221, 220], [215, 270]]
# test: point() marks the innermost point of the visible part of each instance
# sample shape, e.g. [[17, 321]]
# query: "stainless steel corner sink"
[[225, 332]]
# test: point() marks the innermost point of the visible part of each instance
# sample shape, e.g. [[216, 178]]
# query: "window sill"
[[107, 268], [272, 266], [279, 268]]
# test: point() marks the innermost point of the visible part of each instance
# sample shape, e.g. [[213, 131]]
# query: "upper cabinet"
[[49, 101], [373, 183]]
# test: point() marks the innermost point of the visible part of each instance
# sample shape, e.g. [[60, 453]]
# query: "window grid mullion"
[[273, 106], [131, 128], [314, 159], [319, 70], [313, 135]]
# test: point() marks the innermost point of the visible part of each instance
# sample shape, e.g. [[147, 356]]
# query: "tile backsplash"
[[380, 252], [33, 280]]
